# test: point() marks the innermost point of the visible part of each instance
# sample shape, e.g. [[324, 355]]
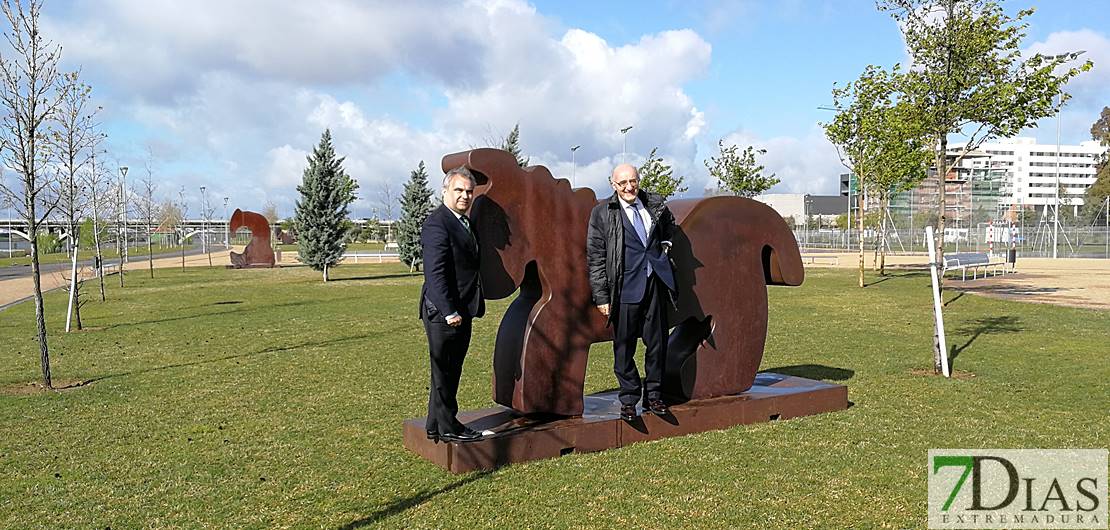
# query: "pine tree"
[[326, 194], [416, 204], [658, 177], [512, 145]]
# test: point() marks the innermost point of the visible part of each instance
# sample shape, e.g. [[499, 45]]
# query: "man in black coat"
[[449, 302], [631, 279]]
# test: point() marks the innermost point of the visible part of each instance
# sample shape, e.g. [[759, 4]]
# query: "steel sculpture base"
[[521, 438]]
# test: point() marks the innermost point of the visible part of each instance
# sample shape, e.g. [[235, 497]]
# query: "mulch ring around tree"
[[36, 387]]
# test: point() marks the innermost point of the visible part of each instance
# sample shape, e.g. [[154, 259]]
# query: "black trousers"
[[447, 346], [646, 320]]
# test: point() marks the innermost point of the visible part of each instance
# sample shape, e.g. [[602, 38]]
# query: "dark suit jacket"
[[451, 276]]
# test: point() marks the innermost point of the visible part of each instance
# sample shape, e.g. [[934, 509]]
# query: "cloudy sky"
[[233, 94]]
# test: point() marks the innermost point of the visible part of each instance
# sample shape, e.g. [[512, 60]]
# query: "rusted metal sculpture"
[[532, 230], [258, 253]]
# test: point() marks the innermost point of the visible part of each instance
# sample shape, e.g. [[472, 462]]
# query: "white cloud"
[[244, 88], [808, 164], [1088, 90]]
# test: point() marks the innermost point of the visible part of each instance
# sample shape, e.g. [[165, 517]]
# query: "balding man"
[[632, 281]]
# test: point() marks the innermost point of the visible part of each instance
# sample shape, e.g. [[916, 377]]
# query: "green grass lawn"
[[108, 253], [266, 398]]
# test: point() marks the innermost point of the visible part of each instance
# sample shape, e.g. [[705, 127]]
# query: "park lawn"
[[106, 252], [266, 398]]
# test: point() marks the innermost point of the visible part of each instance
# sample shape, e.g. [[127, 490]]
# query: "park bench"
[[974, 261], [821, 259]]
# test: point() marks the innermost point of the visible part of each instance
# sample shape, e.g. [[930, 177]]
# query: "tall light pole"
[[227, 227], [122, 216], [1056, 221], [203, 219], [573, 166], [1056, 217], [624, 141]]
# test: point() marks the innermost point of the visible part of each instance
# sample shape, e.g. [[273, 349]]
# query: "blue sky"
[[232, 95]]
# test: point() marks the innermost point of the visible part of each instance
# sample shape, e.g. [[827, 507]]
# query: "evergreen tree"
[[321, 213], [512, 145], [416, 204], [658, 177]]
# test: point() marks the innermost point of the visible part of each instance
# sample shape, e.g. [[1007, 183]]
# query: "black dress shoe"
[[467, 435], [657, 407], [628, 412], [433, 436]]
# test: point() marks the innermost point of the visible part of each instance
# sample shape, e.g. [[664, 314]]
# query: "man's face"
[[626, 182], [458, 194]]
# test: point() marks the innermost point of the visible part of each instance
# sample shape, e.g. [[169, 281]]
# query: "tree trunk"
[[99, 256], [883, 205], [859, 218], [71, 307], [150, 252], [942, 175], [40, 317], [325, 273], [182, 241]]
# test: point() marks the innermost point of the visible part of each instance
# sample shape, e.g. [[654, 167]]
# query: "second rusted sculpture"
[[258, 253], [532, 232]]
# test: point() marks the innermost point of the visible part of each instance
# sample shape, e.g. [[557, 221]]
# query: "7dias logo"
[[1017, 488]]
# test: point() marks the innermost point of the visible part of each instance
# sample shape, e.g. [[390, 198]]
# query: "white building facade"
[[1031, 171]]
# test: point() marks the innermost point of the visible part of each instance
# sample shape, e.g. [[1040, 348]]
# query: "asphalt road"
[[19, 271]]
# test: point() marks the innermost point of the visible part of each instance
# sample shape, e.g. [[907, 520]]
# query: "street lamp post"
[[122, 216], [573, 166], [624, 142], [1056, 218], [204, 223], [227, 227]]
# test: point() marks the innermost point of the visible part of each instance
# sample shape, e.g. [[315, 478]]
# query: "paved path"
[[1075, 282]]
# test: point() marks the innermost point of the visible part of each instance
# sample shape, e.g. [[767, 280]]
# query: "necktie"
[[465, 222], [638, 223]]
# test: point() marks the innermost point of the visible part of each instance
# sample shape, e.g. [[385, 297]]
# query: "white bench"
[[974, 261], [825, 259]]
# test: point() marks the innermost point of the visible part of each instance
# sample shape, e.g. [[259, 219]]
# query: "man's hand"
[[604, 308], [454, 321]]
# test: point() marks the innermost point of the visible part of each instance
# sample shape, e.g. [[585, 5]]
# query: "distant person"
[[449, 302], [627, 243]]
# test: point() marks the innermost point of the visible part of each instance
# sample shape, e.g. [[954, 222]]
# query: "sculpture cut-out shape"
[[532, 232], [258, 253]]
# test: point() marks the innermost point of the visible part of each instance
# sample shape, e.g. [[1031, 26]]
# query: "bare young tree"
[[29, 77], [147, 208], [388, 199], [73, 142], [183, 209], [97, 186]]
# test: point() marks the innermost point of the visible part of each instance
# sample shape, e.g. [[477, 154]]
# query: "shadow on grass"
[[814, 371], [984, 326], [378, 277], [954, 298], [401, 505], [241, 355]]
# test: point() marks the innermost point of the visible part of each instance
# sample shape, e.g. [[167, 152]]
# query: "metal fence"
[[1035, 241]]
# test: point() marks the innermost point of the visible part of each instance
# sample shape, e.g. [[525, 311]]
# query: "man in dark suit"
[[449, 302], [632, 281]]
